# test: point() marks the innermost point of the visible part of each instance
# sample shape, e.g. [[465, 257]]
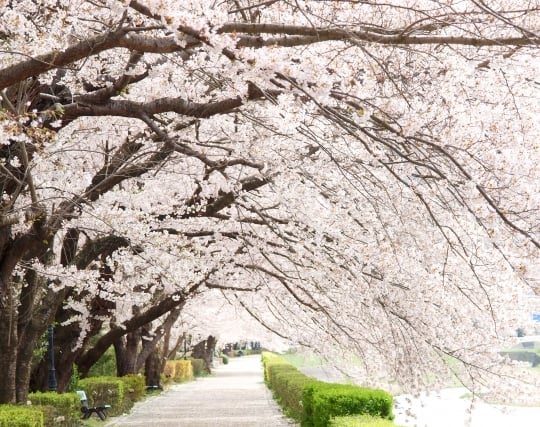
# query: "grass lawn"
[[300, 360]]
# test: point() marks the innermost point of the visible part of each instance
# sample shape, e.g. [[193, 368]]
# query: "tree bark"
[[126, 350], [205, 350], [8, 355], [148, 347], [152, 368]]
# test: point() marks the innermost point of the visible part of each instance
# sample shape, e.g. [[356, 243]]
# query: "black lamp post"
[[52, 371]]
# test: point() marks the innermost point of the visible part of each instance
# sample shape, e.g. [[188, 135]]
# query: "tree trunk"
[[149, 346], [8, 355], [92, 355], [24, 367], [119, 346], [126, 350], [152, 368], [39, 377], [205, 350], [210, 350]]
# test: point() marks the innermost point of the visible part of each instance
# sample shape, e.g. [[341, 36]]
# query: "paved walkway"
[[234, 395]]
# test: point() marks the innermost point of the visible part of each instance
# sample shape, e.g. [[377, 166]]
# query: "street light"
[[52, 371]]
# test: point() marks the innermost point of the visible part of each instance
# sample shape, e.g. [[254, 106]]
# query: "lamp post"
[[52, 371]]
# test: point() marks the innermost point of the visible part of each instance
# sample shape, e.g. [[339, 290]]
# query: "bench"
[[153, 387], [89, 410]]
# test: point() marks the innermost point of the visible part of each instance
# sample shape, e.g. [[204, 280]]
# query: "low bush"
[[134, 386], [199, 367], [271, 359], [20, 416], [179, 370], [324, 401], [225, 359], [289, 384], [314, 402], [360, 421], [58, 409], [107, 391]]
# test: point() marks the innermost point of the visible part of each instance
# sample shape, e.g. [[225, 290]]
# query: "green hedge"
[[360, 421], [289, 384], [20, 416], [324, 401], [107, 391], [179, 370], [314, 402], [134, 386], [58, 409], [199, 367]]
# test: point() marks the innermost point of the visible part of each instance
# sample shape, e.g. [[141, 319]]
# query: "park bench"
[[153, 387], [89, 410]]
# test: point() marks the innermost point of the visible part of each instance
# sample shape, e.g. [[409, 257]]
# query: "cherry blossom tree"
[[363, 174]]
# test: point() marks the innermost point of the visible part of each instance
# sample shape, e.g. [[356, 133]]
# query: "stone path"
[[234, 395]]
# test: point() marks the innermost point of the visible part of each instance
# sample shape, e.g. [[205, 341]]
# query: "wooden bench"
[[89, 410]]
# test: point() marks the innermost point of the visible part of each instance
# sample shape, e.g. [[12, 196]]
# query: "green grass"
[[360, 421], [302, 360], [93, 422]]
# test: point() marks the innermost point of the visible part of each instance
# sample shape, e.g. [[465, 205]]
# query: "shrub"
[[225, 359], [288, 384], [184, 370], [170, 369], [55, 407], [199, 367], [271, 359], [106, 391], [360, 421], [329, 400], [20, 416], [315, 402], [179, 370], [134, 386]]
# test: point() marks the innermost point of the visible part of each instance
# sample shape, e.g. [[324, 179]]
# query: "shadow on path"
[[234, 395]]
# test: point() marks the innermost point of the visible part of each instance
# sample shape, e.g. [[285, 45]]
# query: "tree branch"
[[89, 47], [308, 35]]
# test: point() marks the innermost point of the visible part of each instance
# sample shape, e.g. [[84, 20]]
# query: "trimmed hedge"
[[58, 409], [20, 416], [134, 386], [289, 384], [314, 402], [324, 401], [107, 391], [179, 370], [360, 421], [199, 367]]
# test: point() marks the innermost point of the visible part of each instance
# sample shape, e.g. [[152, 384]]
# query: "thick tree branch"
[[103, 246], [171, 302], [312, 35], [89, 47], [126, 108]]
